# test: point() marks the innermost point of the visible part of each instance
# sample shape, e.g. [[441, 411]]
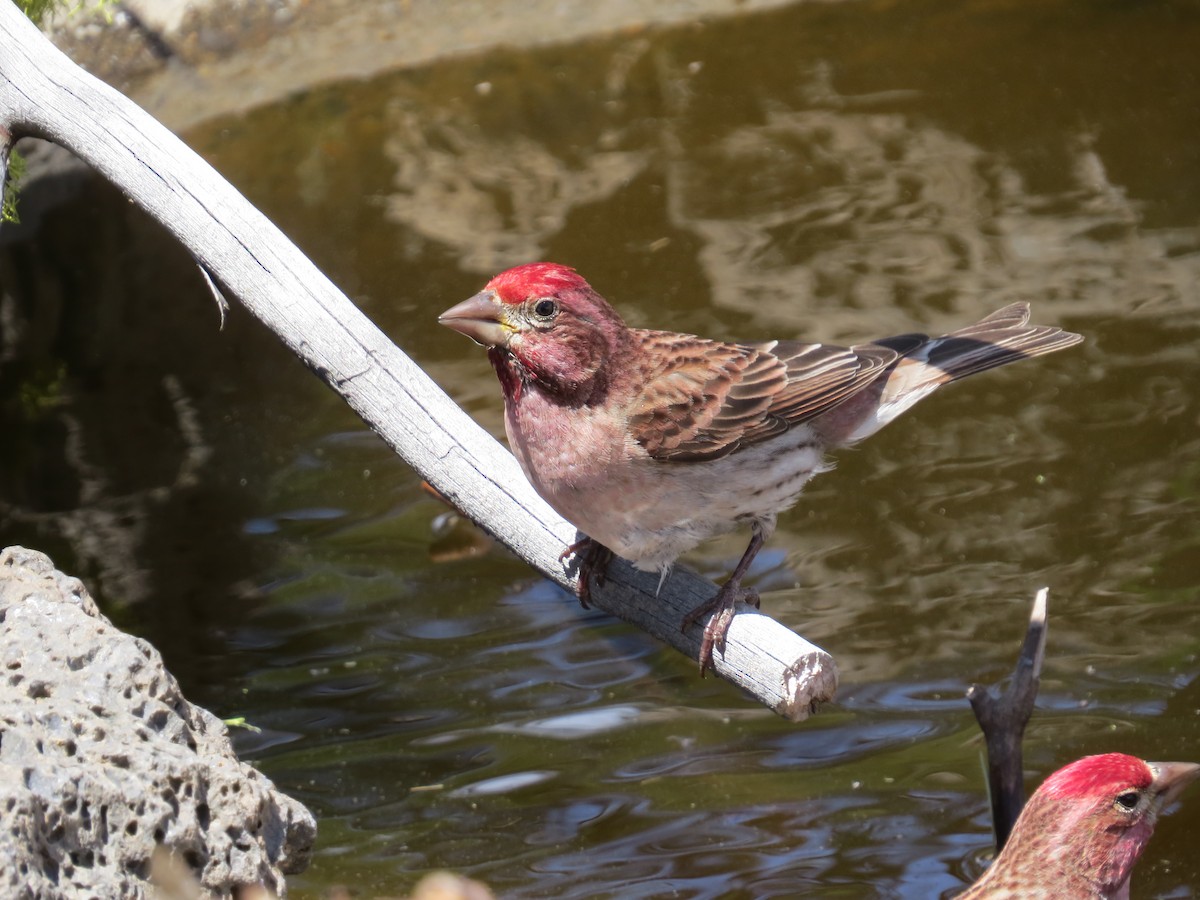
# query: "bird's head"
[[548, 321], [1099, 812]]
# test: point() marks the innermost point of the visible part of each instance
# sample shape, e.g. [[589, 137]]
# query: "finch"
[[651, 442], [1081, 833]]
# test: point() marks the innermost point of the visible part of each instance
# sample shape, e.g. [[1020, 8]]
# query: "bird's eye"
[[545, 309], [1128, 801]]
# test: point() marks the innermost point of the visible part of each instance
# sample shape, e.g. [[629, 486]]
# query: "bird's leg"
[[594, 558], [722, 603]]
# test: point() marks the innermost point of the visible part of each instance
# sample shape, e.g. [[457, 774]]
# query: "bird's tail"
[[925, 364]]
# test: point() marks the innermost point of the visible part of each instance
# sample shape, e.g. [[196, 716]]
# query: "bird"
[[652, 442], [1083, 830]]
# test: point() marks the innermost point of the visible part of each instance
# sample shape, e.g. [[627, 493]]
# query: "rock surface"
[[102, 759]]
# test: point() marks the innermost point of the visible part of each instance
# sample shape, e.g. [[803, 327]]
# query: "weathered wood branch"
[[43, 94], [1003, 718]]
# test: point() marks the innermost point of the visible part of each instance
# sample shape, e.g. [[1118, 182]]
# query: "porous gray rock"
[[102, 760]]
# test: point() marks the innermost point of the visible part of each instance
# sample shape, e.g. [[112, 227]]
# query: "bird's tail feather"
[[1003, 337], [925, 364]]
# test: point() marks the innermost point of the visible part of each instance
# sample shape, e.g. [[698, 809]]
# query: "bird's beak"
[[481, 319], [1170, 778]]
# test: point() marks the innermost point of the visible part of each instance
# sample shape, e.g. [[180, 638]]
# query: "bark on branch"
[[43, 94]]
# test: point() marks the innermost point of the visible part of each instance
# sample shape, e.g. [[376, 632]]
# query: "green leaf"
[[16, 171]]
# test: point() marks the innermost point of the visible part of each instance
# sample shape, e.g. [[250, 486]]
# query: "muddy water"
[[828, 172]]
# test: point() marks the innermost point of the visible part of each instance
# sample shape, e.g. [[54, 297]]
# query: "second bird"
[[651, 442]]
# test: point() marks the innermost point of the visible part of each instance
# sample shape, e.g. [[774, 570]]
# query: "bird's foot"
[[593, 558], [722, 608]]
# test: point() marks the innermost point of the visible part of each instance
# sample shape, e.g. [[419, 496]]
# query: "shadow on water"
[[830, 172]]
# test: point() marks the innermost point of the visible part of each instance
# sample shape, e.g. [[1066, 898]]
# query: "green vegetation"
[[240, 722], [36, 9], [43, 390], [8, 206]]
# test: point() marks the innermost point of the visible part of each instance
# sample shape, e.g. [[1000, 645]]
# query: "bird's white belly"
[[649, 511], [685, 504]]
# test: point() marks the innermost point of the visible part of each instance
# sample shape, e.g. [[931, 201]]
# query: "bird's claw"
[[722, 606], [594, 558]]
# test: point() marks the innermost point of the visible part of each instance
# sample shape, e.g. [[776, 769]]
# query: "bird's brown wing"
[[707, 398]]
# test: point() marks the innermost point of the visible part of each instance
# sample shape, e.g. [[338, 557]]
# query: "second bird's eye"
[[544, 309], [1128, 800]]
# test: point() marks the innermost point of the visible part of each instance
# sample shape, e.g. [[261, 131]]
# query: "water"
[[828, 172]]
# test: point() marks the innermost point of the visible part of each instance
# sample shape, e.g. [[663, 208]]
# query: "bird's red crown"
[[540, 279], [1094, 775]]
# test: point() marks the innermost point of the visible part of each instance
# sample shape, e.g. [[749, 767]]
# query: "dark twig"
[[159, 47], [1003, 718]]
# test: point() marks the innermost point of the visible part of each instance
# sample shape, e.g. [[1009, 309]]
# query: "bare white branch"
[[43, 93]]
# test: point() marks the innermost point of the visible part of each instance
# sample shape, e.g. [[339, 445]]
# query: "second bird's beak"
[[1170, 778], [481, 319]]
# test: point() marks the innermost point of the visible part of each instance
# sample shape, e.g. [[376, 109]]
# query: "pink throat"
[[508, 370]]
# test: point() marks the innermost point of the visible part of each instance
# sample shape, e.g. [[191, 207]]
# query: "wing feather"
[[703, 399]]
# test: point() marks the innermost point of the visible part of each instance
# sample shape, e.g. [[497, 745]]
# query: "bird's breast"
[[582, 461]]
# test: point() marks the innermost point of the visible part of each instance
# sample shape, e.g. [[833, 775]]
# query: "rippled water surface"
[[829, 172]]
